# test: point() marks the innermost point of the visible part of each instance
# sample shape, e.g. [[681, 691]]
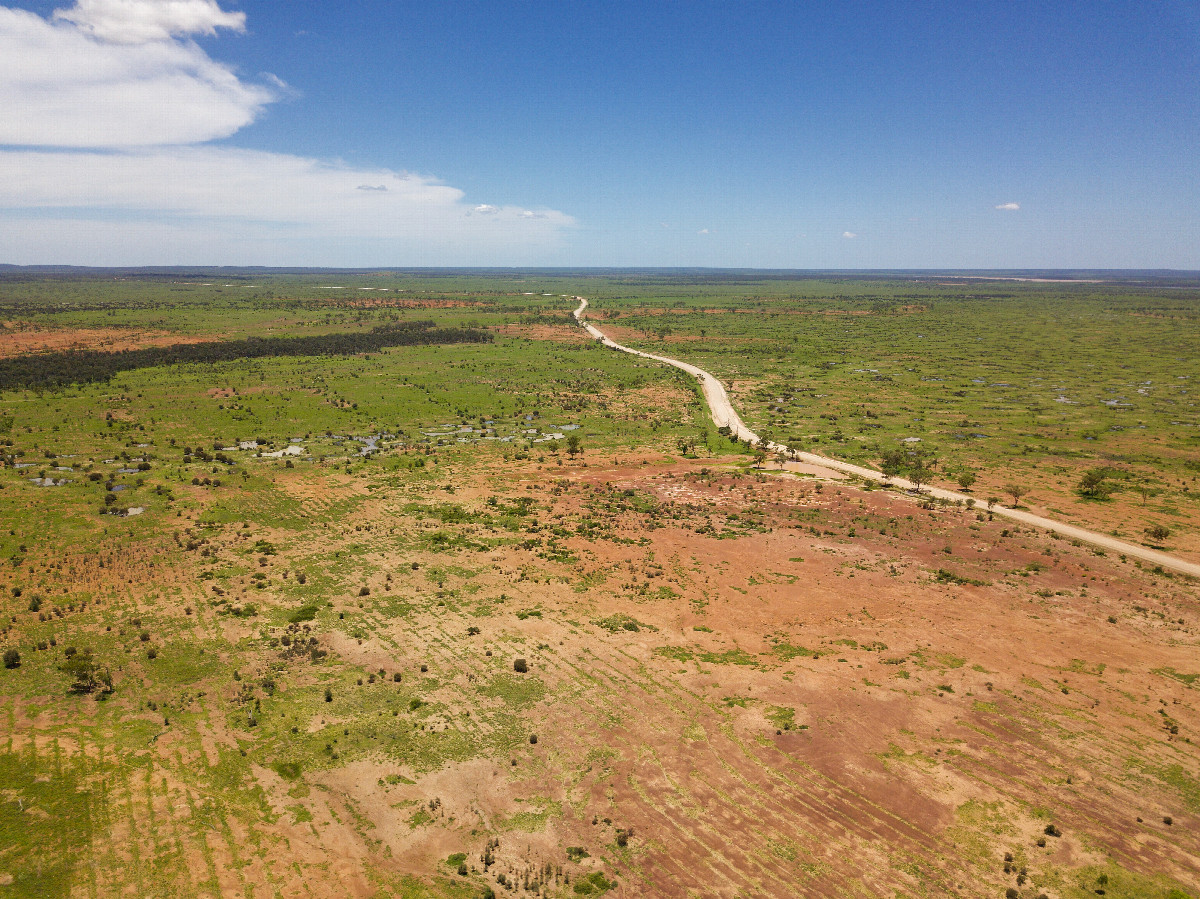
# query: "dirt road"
[[724, 415]]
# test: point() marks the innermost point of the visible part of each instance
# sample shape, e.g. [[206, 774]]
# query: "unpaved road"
[[724, 415]]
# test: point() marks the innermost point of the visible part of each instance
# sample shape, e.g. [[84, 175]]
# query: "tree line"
[[47, 370]]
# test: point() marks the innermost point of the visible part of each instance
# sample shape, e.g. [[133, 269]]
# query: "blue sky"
[[759, 134]]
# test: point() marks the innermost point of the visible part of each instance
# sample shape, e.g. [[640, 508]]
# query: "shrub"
[[35, 601], [520, 665], [365, 591], [12, 658], [532, 739], [287, 770], [302, 614], [328, 695], [1158, 533]]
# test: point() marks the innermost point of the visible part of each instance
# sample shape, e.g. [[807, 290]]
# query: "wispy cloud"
[[113, 105], [849, 235], [139, 21], [1009, 207], [249, 198], [704, 231]]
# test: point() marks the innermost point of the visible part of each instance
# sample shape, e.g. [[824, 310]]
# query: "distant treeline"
[[84, 366]]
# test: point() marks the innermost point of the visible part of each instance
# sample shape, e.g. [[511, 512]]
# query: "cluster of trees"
[[84, 366], [915, 465]]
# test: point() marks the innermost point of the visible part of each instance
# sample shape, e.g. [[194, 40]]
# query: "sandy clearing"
[[724, 415], [22, 338]]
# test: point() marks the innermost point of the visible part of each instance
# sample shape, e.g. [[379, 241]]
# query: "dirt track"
[[724, 415]]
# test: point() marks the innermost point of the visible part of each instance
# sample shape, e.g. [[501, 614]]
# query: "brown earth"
[[21, 338], [773, 684], [1001, 708], [552, 333]]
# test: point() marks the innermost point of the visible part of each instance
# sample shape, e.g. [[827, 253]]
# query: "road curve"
[[724, 415]]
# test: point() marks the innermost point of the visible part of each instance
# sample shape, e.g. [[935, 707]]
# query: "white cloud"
[[849, 235], [110, 99], [1009, 207], [62, 88], [233, 201], [703, 231], [140, 21]]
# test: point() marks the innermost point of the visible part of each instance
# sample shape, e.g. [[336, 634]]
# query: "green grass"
[[212, 571], [976, 372], [47, 819]]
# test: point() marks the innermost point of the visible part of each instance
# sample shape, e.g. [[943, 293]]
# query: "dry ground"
[[22, 338], [742, 684]]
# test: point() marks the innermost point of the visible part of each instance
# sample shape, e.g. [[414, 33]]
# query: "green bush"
[[302, 614]]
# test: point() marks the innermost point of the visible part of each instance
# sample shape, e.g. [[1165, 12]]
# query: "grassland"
[[269, 622], [1010, 381]]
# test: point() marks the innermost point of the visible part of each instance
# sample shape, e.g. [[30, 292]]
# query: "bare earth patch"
[[21, 338]]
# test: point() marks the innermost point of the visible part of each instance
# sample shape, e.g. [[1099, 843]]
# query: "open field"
[[510, 617], [1013, 382]]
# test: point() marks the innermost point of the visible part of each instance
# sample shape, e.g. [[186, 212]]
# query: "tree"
[[574, 445], [966, 479], [12, 658], [919, 473], [1093, 486], [1158, 533], [892, 463], [1145, 490], [88, 675], [1016, 491]]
